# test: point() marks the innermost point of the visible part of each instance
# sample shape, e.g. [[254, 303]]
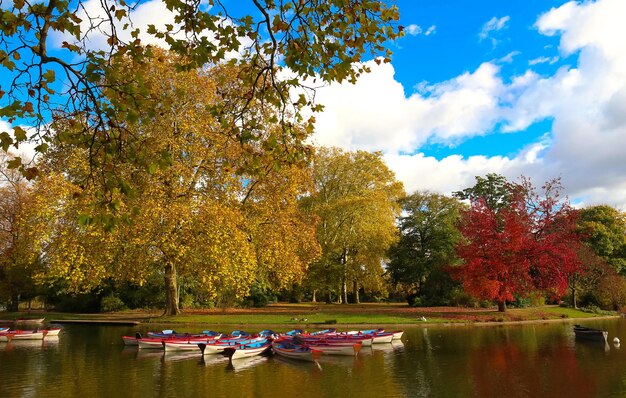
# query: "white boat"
[[298, 352], [247, 350], [378, 336], [52, 332], [336, 349], [130, 340], [150, 344], [21, 335], [185, 345], [382, 338], [219, 345]]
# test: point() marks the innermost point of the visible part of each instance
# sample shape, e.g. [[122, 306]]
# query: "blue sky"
[[533, 88], [461, 37]]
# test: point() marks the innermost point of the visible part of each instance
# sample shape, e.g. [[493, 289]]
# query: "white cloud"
[[493, 25], [416, 30], [26, 149], [586, 103], [431, 30], [543, 60], [413, 30], [509, 57], [376, 114], [97, 29]]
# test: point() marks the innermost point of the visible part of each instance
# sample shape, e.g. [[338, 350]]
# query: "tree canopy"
[[428, 237], [84, 60], [355, 199], [604, 229], [530, 244], [203, 214]]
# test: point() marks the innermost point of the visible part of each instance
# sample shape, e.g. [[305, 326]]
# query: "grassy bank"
[[292, 315]]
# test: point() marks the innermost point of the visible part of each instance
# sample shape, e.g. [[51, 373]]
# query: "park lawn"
[[327, 315]]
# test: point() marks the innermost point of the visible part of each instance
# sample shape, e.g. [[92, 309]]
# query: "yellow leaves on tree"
[[209, 206]]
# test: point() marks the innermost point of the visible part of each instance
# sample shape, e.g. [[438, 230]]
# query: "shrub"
[[111, 303]]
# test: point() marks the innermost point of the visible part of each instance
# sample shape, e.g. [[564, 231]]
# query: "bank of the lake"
[[314, 314]]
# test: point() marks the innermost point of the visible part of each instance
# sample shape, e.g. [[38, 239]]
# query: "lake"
[[530, 360]]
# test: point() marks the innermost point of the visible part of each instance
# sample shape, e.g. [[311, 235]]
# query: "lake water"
[[540, 360]]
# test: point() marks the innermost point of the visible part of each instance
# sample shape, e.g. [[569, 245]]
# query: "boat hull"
[[297, 352], [12, 336], [244, 352], [589, 334]]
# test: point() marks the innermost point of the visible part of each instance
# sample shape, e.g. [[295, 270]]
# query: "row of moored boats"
[[295, 344], [7, 335]]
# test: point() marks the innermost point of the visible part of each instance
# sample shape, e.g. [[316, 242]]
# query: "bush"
[[461, 299], [259, 297], [111, 303]]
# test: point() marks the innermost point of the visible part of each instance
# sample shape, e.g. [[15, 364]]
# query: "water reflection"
[[541, 360]]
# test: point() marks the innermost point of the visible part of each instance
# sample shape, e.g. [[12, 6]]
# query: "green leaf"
[[14, 163], [5, 141], [84, 219], [49, 76], [19, 133], [119, 14]]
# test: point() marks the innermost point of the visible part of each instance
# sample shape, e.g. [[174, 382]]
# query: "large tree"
[[18, 260], [214, 209], [530, 244], [428, 237], [603, 228], [66, 60], [355, 199]]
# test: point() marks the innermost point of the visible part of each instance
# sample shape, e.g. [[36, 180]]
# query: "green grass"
[[287, 319], [326, 315]]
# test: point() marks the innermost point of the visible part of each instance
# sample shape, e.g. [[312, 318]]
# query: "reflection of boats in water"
[[181, 356], [336, 360], [305, 366], [30, 344], [213, 360], [394, 346], [148, 354], [324, 360], [240, 364]]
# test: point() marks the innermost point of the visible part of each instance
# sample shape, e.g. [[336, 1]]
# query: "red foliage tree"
[[529, 244]]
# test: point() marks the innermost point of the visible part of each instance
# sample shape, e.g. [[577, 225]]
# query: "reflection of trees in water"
[[525, 360]]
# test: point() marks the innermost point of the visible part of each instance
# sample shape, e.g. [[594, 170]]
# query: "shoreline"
[[300, 316]]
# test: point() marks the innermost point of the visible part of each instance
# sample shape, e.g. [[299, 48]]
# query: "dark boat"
[[585, 333]]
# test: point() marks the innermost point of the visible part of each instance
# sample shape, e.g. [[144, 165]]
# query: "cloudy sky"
[[516, 87]]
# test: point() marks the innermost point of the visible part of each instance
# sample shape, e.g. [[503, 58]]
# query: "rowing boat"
[[21, 335], [185, 345], [294, 351], [585, 333], [247, 350], [218, 346]]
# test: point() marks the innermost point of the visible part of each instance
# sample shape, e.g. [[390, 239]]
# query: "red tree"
[[527, 245]]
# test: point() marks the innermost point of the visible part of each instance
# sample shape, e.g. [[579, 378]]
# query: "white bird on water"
[[423, 319]]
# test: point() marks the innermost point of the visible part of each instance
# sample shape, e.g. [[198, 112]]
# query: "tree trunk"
[[14, 303], [355, 287], [313, 300], [171, 291], [344, 279], [502, 306], [574, 298]]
